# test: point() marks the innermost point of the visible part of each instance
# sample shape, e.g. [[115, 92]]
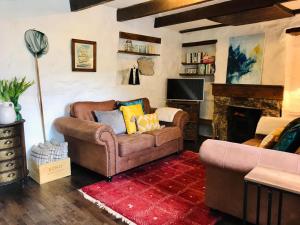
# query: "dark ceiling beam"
[[202, 28], [217, 10], [261, 15], [77, 5], [154, 7]]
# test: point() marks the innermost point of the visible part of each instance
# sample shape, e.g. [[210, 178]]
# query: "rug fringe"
[[106, 208]]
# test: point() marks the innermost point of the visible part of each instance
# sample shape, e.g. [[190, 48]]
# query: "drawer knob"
[[9, 164], [11, 175], [8, 142], [10, 153], [7, 131]]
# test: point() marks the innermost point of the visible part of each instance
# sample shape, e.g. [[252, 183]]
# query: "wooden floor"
[[57, 202]]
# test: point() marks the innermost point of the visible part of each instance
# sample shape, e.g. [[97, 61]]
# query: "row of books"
[[199, 57], [202, 69]]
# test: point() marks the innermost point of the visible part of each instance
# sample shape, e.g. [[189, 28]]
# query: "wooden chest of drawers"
[[13, 166], [191, 130]]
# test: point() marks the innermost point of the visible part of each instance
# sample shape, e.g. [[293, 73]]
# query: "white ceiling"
[[200, 23]]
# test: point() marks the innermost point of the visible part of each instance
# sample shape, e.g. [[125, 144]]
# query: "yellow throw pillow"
[[147, 122], [130, 113], [271, 139]]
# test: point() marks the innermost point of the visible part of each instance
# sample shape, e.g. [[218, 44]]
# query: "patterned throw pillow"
[[147, 122], [271, 139], [130, 113]]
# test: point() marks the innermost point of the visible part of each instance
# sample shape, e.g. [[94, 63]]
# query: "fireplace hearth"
[[242, 101], [242, 122]]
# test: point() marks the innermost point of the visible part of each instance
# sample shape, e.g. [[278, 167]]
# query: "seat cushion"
[[132, 143], [253, 142], [165, 135]]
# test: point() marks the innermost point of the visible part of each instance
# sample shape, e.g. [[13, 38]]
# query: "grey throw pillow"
[[114, 119]]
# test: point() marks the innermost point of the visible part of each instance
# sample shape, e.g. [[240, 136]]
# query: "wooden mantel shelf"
[[248, 91]]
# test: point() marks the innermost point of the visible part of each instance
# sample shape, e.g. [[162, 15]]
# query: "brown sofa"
[[227, 164], [95, 146]]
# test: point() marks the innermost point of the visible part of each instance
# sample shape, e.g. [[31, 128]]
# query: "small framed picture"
[[84, 55]]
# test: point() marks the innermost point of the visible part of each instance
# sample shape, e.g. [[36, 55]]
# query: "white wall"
[[60, 85], [278, 64]]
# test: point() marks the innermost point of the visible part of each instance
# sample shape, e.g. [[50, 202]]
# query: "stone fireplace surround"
[[267, 98]]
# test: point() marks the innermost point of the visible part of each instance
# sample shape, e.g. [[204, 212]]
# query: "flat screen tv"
[[185, 89]]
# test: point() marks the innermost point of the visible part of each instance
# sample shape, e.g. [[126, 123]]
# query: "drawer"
[[11, 153], [9, 132], [10, 165], [10, 176], [9, 142]]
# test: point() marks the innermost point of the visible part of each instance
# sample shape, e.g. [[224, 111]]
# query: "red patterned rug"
[[166, 192]]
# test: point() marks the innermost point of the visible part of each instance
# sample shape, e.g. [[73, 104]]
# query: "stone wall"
[[269, 107]]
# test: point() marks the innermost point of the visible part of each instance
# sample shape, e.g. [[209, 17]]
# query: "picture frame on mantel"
[[84, 55]]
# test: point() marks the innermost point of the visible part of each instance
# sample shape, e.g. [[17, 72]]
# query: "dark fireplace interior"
[[242, 122]]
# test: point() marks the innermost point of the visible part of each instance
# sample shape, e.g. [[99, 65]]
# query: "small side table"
[[274, 181]]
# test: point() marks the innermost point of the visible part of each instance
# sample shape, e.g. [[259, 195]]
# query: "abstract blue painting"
[[245, 59]]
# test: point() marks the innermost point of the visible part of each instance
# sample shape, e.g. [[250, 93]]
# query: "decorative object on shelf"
[[7, 113], [245, 59], [37, 44], [128, 46], [84, 55], [146, 66], [146, 48], [202, 69], [10, 91]]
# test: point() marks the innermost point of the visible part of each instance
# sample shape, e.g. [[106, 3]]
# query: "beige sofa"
[[227, 164], [95, 146]]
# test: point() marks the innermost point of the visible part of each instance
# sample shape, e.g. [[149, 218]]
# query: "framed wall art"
[[84, 55], [245, 59]]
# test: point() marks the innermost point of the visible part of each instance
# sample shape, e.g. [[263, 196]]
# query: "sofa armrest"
[[180, 119], [86, 130], [243, 158]]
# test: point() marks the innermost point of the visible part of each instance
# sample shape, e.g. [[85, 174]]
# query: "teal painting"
[[245, 59]]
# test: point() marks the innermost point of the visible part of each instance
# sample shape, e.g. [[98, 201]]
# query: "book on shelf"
[[199, 57]]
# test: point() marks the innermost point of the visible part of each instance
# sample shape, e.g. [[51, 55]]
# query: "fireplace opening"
[[242, 122]]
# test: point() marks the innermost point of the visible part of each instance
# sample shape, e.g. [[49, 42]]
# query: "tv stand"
[[191, 130]]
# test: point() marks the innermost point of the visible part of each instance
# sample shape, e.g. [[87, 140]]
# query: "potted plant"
[[11, 90]]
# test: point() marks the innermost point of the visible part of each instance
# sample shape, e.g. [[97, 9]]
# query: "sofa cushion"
[[290, 140], [129, 144], [84, 110], [146, 104], [253, 142], [114, 119], [165, 135], [134, 102], [148, 122], [130, 113]]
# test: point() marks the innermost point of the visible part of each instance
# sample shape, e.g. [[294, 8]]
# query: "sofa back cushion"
[[146, 104], [84, 110]]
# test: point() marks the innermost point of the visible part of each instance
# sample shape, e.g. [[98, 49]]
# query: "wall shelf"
[[137, 53], [195, 75], [194, 64], [293, 31], [138, 37], [199, 43]]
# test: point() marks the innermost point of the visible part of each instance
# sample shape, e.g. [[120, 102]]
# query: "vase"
[[17, 108], [7, 113]]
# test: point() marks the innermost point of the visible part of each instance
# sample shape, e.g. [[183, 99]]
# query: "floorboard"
[[57, 203]]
